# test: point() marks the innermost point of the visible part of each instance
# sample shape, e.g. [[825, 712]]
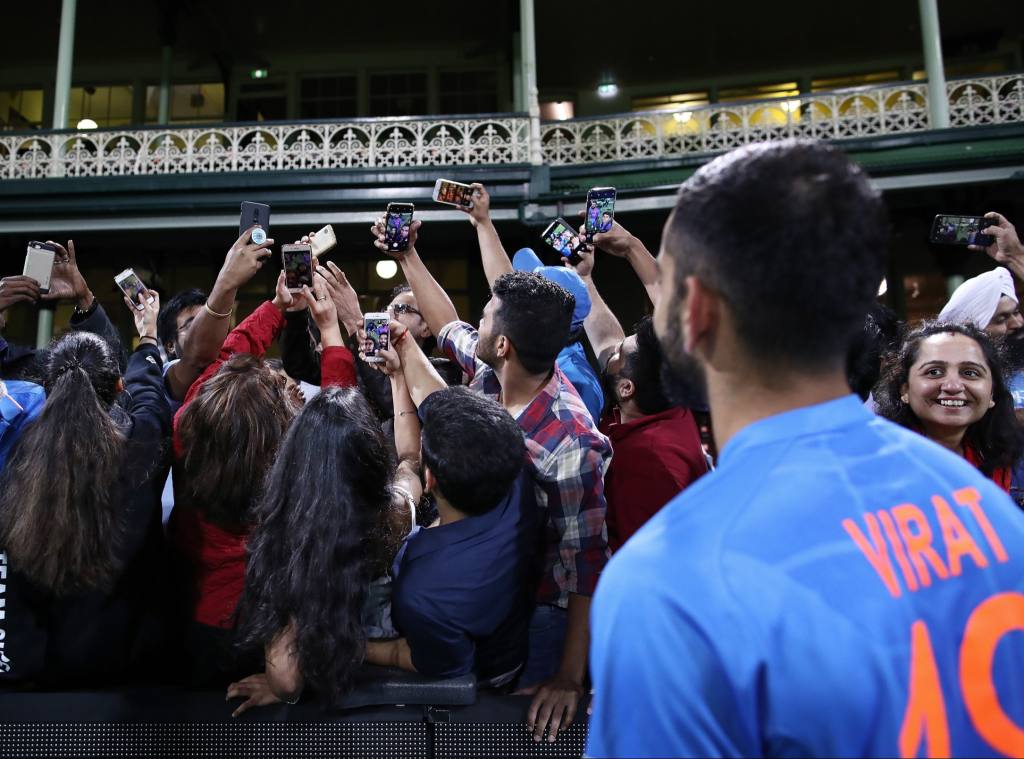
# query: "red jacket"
[[653, 459], [217, 556]]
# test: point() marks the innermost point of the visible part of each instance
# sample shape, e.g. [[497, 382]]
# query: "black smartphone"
[[255, 213], [953, 229], [564, 238], [397, 225], [600, 211], [297, 260]]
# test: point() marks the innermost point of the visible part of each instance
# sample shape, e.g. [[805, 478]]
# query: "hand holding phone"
[[398, 230], [322, 240], [129, 283], [145, 311], [453, 193], [255, 213], [951, 229], [563, 238]]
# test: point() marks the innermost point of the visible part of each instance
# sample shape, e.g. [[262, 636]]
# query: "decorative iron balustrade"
[[844, 114], [497, 140]]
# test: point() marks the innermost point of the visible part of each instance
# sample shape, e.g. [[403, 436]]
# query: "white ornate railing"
[[844, 114], [497, 140], [271, 147]]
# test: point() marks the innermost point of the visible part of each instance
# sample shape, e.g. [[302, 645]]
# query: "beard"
[[1013, 352], [486, 350], [682, 377]]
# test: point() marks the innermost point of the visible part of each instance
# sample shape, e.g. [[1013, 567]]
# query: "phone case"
[[323, 241], [39, 266]]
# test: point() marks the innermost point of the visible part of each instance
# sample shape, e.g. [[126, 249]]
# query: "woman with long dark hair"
[[226, 436], [946, 382], [78, 499]]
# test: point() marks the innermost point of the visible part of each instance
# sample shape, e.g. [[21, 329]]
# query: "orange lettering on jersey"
[[919, 542], [993, 619], [959, 542], [897, 548], [875, 552], [971, 498], [925, 717]]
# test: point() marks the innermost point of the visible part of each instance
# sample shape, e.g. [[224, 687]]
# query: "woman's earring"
[[905, 399]]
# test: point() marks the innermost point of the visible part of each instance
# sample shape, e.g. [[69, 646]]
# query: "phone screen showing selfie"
[[298, 267], [455, 194], [600, 211], [396, 232], [377, 335], [562, 238], [132, 287]]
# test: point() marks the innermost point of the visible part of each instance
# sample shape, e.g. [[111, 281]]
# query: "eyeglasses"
[[404, 308]]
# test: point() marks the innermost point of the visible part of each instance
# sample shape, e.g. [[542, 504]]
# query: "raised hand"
[[66, 281], [586, 265], [480, 211], [243, 260], [377, 230], [284, 300], [1006, 247], [17, 289], [145, 317], [346, 301]]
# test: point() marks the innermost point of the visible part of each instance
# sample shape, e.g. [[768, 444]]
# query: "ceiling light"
[[386, 269], [87, 124], [607, 90], [259, 74]]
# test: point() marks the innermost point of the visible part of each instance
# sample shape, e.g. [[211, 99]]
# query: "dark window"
[[263, 101], [398, 94], [469, 92], [326, 97]]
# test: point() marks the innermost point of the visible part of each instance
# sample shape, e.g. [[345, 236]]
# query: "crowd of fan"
[[193, 512]]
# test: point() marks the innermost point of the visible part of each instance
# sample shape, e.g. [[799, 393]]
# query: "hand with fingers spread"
[[66, 281], [17, 289], [346, 301], [256, 691], [1006, 248], [243, 260], [377, 230], [323, 311], [145, 317], [480, 211]]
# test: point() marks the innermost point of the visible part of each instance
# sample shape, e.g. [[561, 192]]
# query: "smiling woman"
[[946, 382]]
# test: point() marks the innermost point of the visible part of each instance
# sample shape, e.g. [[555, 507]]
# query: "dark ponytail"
[[59, 489]]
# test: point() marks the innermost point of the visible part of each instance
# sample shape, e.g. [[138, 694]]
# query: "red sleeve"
[[254, 335], [337, 367]]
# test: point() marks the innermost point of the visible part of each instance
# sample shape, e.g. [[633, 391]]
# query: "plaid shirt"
[[567, 458]]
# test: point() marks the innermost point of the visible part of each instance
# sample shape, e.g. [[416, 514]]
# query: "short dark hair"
[[879, 336], [997, 437], [167, 321], [643, 367], [535, 315], [473, 447], [793, 237], [450, 372]]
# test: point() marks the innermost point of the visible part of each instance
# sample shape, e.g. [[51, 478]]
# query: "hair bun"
[[68, 366]]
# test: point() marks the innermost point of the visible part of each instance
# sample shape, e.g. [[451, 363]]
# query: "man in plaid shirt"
[[512, 359]]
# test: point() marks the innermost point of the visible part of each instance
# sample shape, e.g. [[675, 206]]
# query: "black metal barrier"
[[173, 722]]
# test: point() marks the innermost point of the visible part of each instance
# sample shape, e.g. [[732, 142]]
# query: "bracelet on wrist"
[[216, 314], [400, 338], [87, 310]]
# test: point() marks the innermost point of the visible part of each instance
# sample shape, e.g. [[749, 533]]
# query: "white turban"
[[975, 301]]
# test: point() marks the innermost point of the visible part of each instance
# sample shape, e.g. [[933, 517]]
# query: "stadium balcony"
[[314, 172]]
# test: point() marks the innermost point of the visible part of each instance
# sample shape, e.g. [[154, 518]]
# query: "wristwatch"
[[89, 311]]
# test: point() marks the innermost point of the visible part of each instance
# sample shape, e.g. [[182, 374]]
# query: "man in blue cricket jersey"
[[839, 586]]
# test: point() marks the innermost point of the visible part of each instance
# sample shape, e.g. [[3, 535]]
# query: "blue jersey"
[[838, 587]]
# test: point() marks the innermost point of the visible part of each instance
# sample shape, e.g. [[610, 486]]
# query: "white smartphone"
[[453, 193], [377, 335], [39, 263], [129, 283], [323, 241]]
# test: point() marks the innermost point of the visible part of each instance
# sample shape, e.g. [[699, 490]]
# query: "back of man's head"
[[535, 315], [474, 449], [793, 238]]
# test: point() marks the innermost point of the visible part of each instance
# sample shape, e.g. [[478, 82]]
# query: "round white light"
[[87, 124], [386, 269], [607, 90]]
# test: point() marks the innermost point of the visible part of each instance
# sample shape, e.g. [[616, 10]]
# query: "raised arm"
[[1006, 247], [603, 329], [433, 301], [205, 336], [619, 242], [495, 259]]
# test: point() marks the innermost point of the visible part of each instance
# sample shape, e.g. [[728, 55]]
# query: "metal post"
[[528, 47], [65, 54], [164, 112], [938, 102], [61, 97]]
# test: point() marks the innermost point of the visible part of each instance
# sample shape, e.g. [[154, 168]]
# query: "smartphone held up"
[[398, 226], [297, 260], [561, 236], [600, 213], [377, 328], [453, 193], [255, 213], [952, 229], [39, 260], [128, 282]]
